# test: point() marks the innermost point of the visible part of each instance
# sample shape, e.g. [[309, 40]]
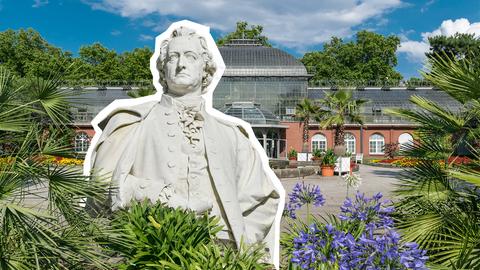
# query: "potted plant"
[[292, 157], [317, 156], [292, 154], [328, 163]]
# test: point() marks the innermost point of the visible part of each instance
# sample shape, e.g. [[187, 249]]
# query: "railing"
[[83, 117]]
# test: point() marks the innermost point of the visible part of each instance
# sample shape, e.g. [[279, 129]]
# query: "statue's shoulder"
[[230, 123], [126, 115]]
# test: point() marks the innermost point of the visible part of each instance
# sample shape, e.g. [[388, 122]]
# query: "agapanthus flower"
[[304, 194]]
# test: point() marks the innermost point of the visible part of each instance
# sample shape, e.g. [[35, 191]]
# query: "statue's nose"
[[181, 62]]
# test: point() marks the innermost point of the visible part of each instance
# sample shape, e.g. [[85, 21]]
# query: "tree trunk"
[[305, 135], [339, 135]]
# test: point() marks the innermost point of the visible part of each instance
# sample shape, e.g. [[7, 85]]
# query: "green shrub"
[[154, 236]]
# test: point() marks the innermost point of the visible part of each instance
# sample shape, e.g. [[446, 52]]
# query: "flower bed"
[[405, 162], [48, 160]]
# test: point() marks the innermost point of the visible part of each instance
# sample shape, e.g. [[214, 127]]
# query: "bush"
[[158, 237]]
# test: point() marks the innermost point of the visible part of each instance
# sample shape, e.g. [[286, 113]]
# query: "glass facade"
[[276, 94]]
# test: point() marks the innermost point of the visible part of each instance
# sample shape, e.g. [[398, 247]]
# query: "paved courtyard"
[[334, 189]]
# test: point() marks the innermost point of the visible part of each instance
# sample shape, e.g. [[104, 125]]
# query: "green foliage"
[[458, 46], [306, 111], [439, 202], [42, 222], [337, 109], [292, 153], [143, 92], [329, 158], [242, 31], [26, 53], [370, 58], [159, 237]]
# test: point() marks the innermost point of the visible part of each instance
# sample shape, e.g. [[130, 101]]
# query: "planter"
[[293, 163], [292, 158], [327, 170]]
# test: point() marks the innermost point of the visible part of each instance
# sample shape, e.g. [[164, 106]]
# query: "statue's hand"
[[199, 206], [196, 205]]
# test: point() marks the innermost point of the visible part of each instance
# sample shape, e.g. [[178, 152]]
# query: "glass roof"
[[242, 57], [251, 113]]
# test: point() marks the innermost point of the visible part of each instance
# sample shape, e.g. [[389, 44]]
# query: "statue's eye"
[[191, 56], [172, 57]]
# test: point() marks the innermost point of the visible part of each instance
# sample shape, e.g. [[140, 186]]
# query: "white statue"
[[175, 148]]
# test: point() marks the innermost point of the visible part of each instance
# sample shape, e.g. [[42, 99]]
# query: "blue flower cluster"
[[364, 239], [301, 195]]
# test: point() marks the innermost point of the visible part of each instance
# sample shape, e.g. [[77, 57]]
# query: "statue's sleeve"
[[257, 195], [114, 157]]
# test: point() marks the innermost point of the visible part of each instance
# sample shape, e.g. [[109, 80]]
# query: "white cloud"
[[416, 50], [39, 3], [145, 37], [292, 23], [115, 33]]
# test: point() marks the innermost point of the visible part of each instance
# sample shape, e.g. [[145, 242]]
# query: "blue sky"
[[295, 26]]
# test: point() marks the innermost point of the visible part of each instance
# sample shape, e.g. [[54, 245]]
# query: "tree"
[[255, 32], [306, 111], [27, 54], [135, 65], [337, 109], [439, 199], [370, 58], [99, 63], [459, 46]]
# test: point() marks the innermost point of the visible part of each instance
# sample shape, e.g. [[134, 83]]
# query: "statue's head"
[[185, 64]]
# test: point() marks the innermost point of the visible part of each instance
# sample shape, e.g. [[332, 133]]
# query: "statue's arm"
[[257, 195], [114, 157]]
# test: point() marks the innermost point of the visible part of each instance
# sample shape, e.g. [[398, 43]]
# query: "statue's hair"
[[210, 66]]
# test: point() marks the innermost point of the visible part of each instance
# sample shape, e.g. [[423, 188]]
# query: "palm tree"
[[42, 224], [337, 109], [439, 202], [306, 111]]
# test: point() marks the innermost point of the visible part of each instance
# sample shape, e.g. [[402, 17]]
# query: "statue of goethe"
[[175, 148]]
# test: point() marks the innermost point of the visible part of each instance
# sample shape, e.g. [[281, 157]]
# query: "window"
[[350, 143], [289, 110], [404, 140], [319, 141], [82, 141], [376, 144]]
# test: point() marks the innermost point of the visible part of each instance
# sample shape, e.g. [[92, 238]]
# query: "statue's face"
[[184, 67]]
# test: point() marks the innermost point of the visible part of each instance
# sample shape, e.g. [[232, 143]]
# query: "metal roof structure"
[[246, 57], [252, 113], [380, 99]]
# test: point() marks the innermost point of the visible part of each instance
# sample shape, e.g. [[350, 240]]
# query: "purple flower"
[[301, 195]]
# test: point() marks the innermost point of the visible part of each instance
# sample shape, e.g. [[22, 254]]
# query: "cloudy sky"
[[295, 26]]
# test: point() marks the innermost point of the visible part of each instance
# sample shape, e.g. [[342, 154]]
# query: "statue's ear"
[[243, 131]]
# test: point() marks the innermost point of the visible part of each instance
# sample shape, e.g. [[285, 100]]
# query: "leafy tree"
[[242, 31], [306, 111], [135, 65], [370, 58], [27, 54], [459, 46], [337, 109], [99, 63], [439, 200]]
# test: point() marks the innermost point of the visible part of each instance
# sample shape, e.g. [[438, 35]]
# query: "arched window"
[[376, 144], [404, 140], [350, 143], [319, 141], [82, 141]]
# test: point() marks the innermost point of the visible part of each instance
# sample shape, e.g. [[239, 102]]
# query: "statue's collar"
[[172, 102]]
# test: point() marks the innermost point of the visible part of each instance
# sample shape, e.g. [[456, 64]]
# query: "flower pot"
[[327, 170], [293, 163], [292, 158]]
